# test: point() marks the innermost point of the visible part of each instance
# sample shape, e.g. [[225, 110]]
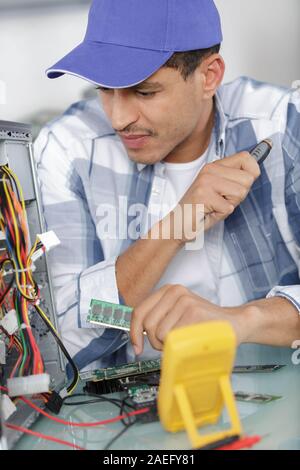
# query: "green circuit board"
[[109, 314], [133, 368]]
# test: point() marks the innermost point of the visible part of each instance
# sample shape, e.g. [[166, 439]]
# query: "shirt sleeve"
[[78, 269], [291, 152]]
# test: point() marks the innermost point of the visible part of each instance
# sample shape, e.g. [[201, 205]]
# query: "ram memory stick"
[[109, 314]]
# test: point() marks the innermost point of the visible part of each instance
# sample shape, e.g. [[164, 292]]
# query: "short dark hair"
[[187, 62]]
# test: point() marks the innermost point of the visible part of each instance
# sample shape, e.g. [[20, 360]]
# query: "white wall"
[[33, 41], [261, 39]]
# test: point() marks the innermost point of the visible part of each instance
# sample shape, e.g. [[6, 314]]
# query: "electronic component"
[[54, 402], [8, 407], [102, 387], [28, 385], [257, 368], [141, 390], [10, 322], [152, 365], [258, 398], [109, 314], [144, 396], [195, 381], [26, 299], [133, 368]]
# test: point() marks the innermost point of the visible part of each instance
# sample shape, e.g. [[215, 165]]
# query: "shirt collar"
[[141, 166], [221, 121]]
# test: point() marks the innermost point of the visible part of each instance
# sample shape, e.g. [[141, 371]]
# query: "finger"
[[242, 161], [137, 318], [169, 323], [232, 174], [235, 193], [217, 203], [185, 320], [160, 310]]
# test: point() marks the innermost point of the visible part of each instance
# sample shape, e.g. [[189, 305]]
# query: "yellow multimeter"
[[195, 381]]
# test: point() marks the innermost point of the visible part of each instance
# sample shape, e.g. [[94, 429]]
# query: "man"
[[167, 135]]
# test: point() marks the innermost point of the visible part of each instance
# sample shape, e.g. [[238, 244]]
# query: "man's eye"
[[102, 89], [145, 93], [141, 93]]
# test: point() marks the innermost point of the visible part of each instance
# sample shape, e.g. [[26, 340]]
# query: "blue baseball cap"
[[129, 40]]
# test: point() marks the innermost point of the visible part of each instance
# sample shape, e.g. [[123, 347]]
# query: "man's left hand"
[[174, 306]]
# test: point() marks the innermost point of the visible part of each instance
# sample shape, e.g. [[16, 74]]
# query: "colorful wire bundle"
[[24, 292], [13, 225]]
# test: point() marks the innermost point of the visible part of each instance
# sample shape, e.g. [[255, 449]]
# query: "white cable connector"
[[37, 254], [49, 239], [10, 322], [29, 385], [63, 393], [7, 407]]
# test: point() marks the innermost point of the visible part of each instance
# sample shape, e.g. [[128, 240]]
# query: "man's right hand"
[[220, 187]]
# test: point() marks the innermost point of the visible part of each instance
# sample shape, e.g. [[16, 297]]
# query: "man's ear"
[[212, 70]]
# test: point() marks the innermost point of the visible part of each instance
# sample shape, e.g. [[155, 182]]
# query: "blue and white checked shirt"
[[254, 254]]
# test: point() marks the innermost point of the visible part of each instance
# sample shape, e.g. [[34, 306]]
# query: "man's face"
[[165, 111]]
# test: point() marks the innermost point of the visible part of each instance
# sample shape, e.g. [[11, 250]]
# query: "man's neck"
[[198, 142]]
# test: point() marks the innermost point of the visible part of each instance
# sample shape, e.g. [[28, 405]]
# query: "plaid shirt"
[[254, 254]]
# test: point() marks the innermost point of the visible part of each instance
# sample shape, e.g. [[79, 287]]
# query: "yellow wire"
[[29, 262], [17, 244], [16, 180], [14, 221], [73, 388], [40, 366], [18, 282], [53, 328], [2, 226], [32, 249], [15, 225], [46, 319]]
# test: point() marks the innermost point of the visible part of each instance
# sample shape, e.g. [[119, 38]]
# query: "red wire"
[[38, 363], [9, 224], [245, 443], [43, 436], [11, 342], [16, 364], [81, 425]]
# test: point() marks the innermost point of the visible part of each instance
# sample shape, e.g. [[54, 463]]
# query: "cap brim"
[[110, 65]]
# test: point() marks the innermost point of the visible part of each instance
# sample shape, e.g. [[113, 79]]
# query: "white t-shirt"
[[190, 268]]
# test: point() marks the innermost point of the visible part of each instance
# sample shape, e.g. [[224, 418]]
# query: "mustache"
[[135, 131]]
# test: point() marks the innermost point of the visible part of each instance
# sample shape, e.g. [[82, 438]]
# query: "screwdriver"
[[262, 150]]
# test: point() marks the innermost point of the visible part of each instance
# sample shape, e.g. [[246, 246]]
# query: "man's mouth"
[[134, 141]]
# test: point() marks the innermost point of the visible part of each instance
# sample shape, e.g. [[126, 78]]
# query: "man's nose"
[[123, 110]]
